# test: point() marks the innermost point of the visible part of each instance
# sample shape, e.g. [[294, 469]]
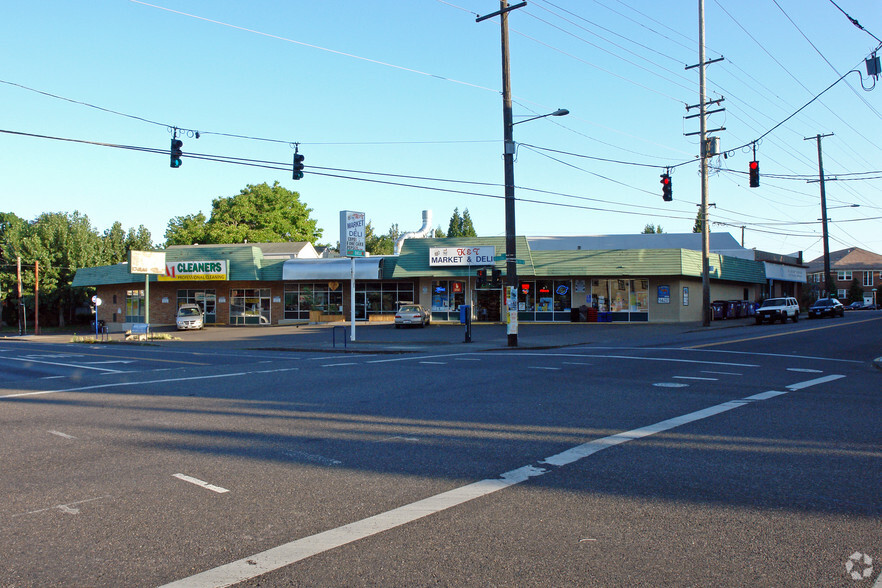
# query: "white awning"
[[337, 268]]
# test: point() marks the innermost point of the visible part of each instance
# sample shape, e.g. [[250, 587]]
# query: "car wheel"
[[759, 320], [796, 317], [397, 326]]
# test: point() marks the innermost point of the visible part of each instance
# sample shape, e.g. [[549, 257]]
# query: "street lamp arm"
[[558, 112]]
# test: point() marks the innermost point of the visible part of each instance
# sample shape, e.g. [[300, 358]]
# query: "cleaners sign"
[[195, 270], [462, 255]]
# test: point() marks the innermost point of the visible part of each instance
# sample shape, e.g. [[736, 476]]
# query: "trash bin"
[[464, 312], [574, 315], [717, 309]]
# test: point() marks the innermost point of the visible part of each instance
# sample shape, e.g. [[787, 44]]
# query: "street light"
[[558, 112]]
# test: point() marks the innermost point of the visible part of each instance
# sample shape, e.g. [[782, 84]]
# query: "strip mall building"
[[632, 278]]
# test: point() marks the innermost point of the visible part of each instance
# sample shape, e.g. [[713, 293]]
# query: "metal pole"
[[511, 266], [828, 279], [20, 302], [705, 235], [36, 298], [352, 298]]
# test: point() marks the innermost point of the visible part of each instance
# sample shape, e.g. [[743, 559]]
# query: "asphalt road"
[[744, 456]]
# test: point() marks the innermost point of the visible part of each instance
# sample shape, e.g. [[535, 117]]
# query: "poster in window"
[[664, 294]]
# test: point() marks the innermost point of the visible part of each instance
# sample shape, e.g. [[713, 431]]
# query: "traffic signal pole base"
[[513, 340]]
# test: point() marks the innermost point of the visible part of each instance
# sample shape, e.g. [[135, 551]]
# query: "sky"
[[397, 108]]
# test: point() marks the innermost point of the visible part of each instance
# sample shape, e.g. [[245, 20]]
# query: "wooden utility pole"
[[36, 298], [20, 308], [829, 285]]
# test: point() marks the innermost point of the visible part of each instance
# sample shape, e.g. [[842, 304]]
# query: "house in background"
[[845, 266]]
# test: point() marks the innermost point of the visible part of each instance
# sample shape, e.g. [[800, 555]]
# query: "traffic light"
[[298, 166], [754, 174], [175, 154], [667, 192], [482, 278], [496, 275]]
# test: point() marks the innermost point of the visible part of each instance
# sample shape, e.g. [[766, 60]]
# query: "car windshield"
[[409, 309], [824, 303], [774, 302], [188, 312]]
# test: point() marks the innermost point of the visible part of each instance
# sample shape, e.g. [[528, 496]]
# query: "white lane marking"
[[467, 359], [135, 384], [434, 362], [670, 385], [721, 373], [65, 508], [816, 381], [695, 378], [199, 482], [111, 361], [805, 370], [399, 437], [575, 363], [52, 377], [419, 357], [289, 553], [58, 363], [336, 364], [60, 434], [539, 367]]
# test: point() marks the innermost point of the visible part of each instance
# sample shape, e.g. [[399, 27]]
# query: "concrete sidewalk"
[[384, 338]]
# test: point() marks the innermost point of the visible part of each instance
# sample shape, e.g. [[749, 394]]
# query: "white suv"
[[775, 309]]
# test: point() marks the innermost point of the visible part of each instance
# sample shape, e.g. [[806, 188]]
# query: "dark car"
[[855, 306], [826, 307]]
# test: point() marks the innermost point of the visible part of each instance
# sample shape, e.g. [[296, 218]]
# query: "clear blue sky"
[[413, 88]]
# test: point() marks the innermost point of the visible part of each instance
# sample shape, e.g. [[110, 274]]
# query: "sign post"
[[97, 302], [353, 228], [146, 262]]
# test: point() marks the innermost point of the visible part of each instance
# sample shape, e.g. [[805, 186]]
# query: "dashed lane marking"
[[199, 482]]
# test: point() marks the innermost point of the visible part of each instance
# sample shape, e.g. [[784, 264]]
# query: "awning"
[[337, 268]]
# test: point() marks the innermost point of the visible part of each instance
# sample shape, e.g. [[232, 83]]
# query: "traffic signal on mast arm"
[[175, 153], [482, 278], [754, 174], [298, 166], [667, 192]]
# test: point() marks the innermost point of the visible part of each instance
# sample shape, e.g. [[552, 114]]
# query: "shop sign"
[[353, 230], [194, 270], [462, 256]]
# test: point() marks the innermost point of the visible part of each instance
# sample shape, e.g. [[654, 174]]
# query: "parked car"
[[190, 316], [411, 314], [855, 306], [869, 306], [774, 309], [826, 307]]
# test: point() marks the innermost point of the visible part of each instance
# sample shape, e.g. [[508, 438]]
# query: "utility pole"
[[511, 267], [36, 298], [829, 286], [706, 152]]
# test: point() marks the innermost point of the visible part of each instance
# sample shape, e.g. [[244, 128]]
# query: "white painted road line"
[[815, 382], [300, 549], [338, 364], [434, 362], [60, 434], [539, 367], [805, 370], [721, 373], [695, 378], [199, 482], [71, 365]]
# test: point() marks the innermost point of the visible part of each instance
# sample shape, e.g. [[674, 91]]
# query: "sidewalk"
[[384, 338]]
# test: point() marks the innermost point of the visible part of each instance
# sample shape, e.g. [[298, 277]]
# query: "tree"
[[461, 225], [696, 228], [439, 233], [855, 291], [258, 214], [652, 229], [380, 244]]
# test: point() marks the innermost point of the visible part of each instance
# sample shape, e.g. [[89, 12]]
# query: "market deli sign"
[[462, 255], [195, 270]]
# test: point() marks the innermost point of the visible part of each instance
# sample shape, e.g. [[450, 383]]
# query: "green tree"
[[461, 225], [696, 228], [380, 244], [259, 213], [652, 229], [439, 233], [855, 291]]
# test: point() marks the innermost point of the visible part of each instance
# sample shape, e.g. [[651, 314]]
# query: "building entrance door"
[[487, 305]]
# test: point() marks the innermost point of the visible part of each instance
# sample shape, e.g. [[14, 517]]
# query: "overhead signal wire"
[[855, 22]]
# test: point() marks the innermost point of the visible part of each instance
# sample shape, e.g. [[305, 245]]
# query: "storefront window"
[[440, 296], [135, 306], [544, 295], [326, 297], [250, 306], [562, 295], [527, 297], [640, 296], [620, 295], [600, 295]]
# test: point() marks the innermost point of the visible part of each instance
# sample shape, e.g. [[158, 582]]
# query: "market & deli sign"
[[195, 270], [462, 255]]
